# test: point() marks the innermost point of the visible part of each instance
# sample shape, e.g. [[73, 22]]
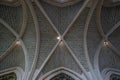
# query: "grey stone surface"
[[61, 58], [14, 59], [108, 59], [61, 17], [93, 38], [29, 39], [115, 38], [13, 16], [48, 37], [109, 17], [6, 39], [74, 38]]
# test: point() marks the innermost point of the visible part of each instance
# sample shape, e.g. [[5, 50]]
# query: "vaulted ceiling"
[[45, 36]]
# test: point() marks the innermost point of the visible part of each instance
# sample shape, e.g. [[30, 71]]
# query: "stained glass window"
[[10, 76], [62, 76]]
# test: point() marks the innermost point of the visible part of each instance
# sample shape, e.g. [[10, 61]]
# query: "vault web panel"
[[6, 39], [61, 17], [109, 17], [61, 58], [12, 15]]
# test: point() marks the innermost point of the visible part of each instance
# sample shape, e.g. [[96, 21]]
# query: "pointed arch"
[[61, 70]]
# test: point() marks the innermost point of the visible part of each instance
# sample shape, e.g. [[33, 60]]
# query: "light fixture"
[[18, 42], [106, 43], [58, 38]]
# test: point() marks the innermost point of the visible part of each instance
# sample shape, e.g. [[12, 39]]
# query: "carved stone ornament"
[[10, 2], [62, 3], [111, 3]]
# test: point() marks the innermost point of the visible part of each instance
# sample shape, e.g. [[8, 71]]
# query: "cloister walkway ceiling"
[[39, 36]]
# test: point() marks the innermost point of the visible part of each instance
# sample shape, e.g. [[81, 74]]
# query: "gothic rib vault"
[[87, 47]]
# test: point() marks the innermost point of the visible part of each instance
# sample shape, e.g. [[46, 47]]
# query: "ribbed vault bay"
[[109, 17], [109, 57], [110, 22], [54, 22], [29, 39]]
